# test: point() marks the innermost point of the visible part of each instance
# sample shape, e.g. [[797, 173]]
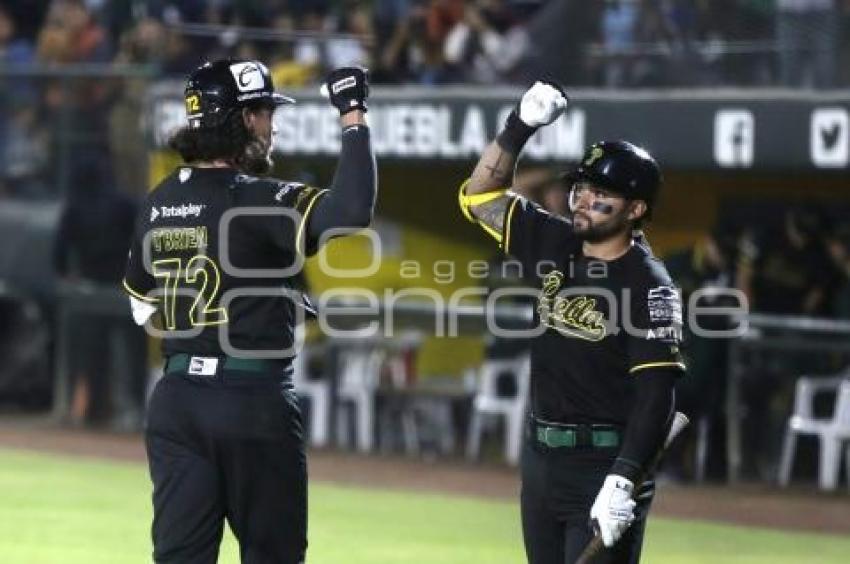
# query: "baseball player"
[[212, 245], [606, 356]]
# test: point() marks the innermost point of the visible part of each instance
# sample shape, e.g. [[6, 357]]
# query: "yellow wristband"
[[466, 201]]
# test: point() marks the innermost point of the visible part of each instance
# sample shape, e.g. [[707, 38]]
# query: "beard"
[[256, 158], [598, 232]]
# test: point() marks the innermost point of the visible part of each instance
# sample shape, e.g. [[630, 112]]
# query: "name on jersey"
[[573, 316], [179, 239], [183, 211]]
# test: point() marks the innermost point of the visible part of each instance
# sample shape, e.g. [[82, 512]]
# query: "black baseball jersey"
[[216, 251], [605, 321]]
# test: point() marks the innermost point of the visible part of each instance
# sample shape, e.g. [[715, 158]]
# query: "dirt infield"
[[746, 505]]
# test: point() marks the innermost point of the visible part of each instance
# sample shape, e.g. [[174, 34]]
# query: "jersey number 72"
[[202, 275]]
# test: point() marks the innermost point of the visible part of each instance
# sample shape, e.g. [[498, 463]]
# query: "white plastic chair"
[[832, 432], [358, 377], [318, 392], [488, 404]]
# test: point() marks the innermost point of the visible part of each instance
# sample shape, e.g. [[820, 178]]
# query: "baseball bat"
[[680, 421]]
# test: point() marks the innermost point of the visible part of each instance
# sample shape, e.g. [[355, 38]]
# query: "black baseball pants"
[[228, 446], [559, 486]]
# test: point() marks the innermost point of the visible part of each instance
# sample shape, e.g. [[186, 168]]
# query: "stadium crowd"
[[605, 42], [44, 106]]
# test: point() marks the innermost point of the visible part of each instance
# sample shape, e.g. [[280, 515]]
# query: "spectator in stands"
[[71, 35], [143, 44], [390, 21], [441, 17], [486, 44], [647, 42], [838, 246], [688, 21], [14, 50], [807, 36], [415, 51], [618, 23], [559, 31], [751, 21], [180, 57], [287, 72], [94, 232], [308, 51], [785, 271], [654, 30], [251, 13], [708, 265], [789, 272], [28, 16], [25, 150], [355, 20]]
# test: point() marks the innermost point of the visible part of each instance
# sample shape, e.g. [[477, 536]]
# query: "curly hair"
[[231, 141]]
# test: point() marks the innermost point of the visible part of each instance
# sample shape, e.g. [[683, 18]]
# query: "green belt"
[[554, 437], [180, 363]]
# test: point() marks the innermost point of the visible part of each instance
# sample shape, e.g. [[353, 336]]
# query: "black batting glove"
[[347, 88]]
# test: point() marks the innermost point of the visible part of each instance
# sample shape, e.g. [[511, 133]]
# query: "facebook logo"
[[734, 138]]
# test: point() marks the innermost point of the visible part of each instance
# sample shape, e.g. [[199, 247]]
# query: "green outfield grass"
[[56, 509]]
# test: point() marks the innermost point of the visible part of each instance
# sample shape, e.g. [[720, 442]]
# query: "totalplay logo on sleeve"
[[183, 210]]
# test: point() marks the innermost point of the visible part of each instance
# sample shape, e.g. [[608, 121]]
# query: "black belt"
[[211, 365], [579, 435]]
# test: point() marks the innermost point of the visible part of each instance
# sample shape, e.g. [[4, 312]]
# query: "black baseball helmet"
[[216, 88], [621, 167]]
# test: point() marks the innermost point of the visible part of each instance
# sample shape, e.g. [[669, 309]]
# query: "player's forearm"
[[647, 425], [351, 199], [482, 197], [495, 169], [539, 106], [354, 117]]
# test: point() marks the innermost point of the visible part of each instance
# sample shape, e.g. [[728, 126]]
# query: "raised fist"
[[542, 104], [347, 88]]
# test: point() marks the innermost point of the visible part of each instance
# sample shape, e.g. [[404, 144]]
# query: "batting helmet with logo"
[[215, 89], [621, 167]]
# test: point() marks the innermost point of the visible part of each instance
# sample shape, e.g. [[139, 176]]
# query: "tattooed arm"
[[484, 198], [494, 171]]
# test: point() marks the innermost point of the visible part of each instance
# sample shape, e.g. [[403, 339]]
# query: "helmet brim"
[[281, 100], [580, 174]]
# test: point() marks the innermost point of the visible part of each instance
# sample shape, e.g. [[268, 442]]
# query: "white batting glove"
[[614, 509], [542, 104]]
